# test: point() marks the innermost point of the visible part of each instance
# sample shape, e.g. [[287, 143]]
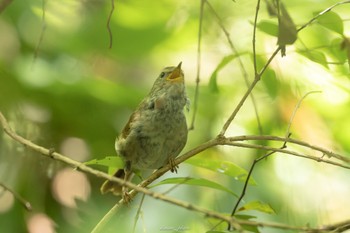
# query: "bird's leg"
[[173, 166]]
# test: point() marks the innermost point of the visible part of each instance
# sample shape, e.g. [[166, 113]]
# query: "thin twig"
[[26, 204], [240, 62], [254, 37], [288, 134], [290, 140], [138, 213], [296, 109], [196, 92], [250, 89], [322, 13], [43, 29], [110, 34], [248, 177], [284, 151], [238, 107]]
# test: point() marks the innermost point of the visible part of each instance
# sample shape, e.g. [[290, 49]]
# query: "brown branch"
[[240, 62], [256, 161], [251, 87], [290, 140], [135, 188]]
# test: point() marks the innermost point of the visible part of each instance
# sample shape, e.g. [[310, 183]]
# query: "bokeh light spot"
[[69, 185]]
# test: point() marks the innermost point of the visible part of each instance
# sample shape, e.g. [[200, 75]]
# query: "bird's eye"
[[162, 75]]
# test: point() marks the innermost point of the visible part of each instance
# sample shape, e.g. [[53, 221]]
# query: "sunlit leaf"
[[315, 56], [195, 182], [269, 27], [223, 167], [213, 78], [332, 21], [258, 206]]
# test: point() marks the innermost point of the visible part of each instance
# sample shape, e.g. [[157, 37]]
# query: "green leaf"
[[269, 27], [271, 83], [332, 21], [316, 56], [213, 86], [195, 182], [247, 227], [109, 161], [258, 206], [223, 167], [337, 49]]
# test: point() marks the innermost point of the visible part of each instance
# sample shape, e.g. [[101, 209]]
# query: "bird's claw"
[[173, 165]]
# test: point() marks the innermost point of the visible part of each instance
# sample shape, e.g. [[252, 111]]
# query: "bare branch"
[[140, 188], [290, 140], [240, 62]]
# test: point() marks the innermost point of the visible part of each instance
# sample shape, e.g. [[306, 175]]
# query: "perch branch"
[[140, 188]]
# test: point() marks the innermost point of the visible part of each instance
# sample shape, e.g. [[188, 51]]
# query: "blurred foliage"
[[63, 88]]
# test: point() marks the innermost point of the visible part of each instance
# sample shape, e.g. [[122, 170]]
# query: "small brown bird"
[[157, 131]]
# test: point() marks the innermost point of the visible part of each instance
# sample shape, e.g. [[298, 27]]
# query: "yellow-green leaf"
[[195, 182], [269, 27], [316, 56], [213, 78], [258, 206], [223, 167], [332, 21]]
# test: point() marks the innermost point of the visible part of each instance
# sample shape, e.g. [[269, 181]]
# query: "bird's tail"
[[116, 189]]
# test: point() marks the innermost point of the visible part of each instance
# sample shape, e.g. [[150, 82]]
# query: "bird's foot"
[[126, 196], [173, 165]]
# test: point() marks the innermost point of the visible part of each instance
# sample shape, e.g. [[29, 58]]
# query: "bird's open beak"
[[176, 74]]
